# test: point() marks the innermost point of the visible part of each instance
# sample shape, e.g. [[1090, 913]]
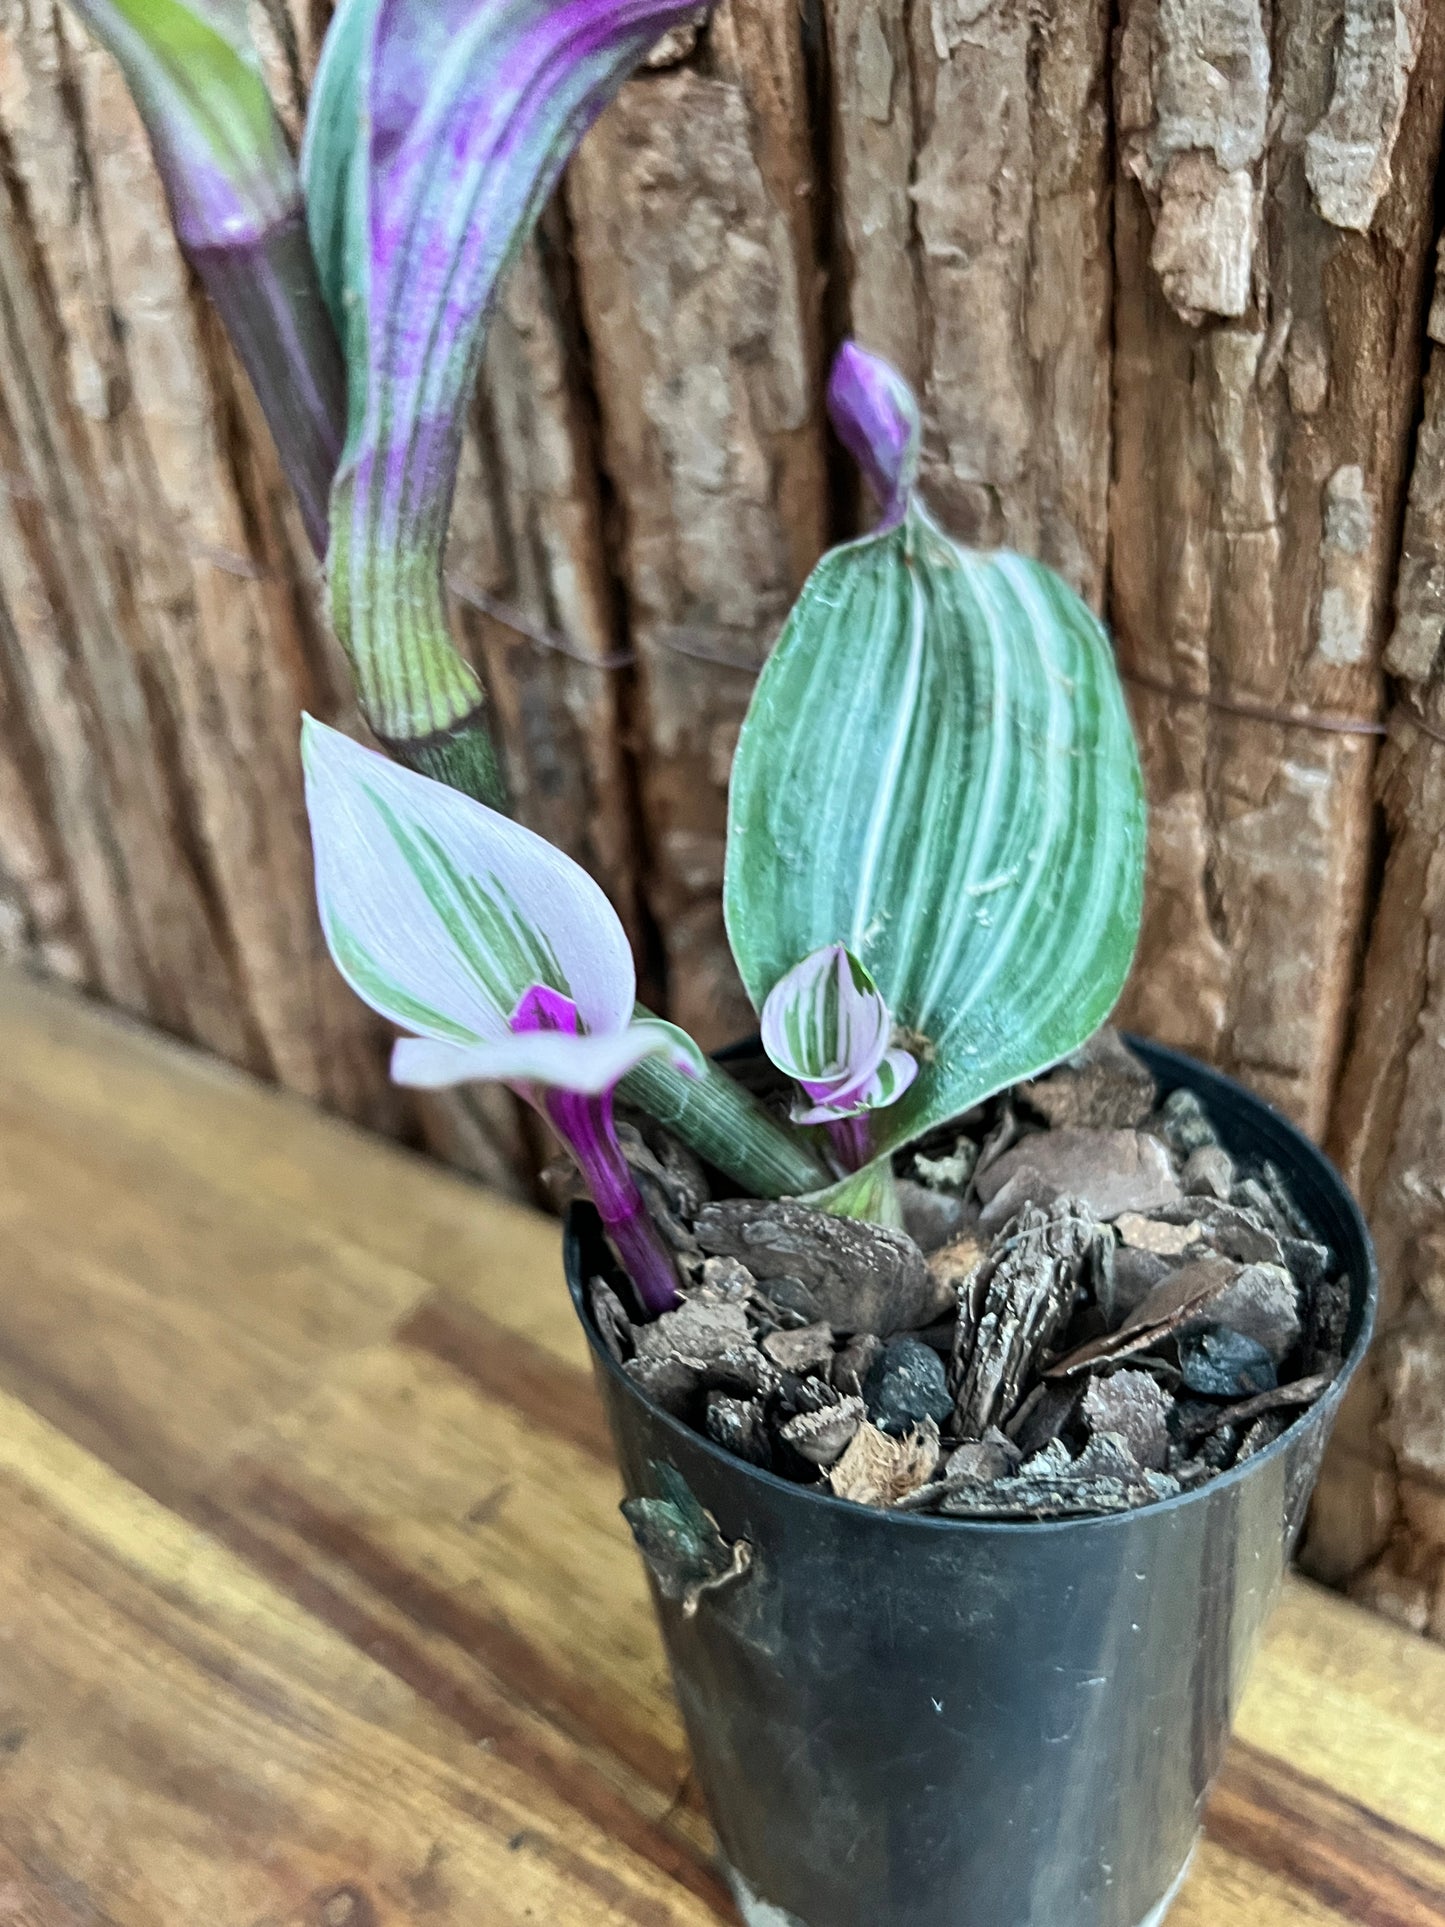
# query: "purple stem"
[[269, 297], [852, 1140], [585, 1126]]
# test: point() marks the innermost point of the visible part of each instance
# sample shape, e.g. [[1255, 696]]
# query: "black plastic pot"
[[901, 1721]]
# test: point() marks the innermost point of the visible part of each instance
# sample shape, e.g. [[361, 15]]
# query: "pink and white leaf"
[[884, 1087], [589, 1066], [825, 1022], [442, 913]]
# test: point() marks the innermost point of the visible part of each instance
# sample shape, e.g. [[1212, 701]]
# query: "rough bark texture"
[[970, 183], [1159, 273], [1266, 358], [694, 236], [1382, 1510]]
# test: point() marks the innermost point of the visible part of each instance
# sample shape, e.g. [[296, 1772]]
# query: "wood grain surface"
[[317, 1608]]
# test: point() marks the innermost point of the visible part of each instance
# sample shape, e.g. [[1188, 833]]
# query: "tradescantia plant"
[[936, 824]]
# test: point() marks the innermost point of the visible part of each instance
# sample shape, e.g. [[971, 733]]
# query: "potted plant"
[[969, 1367]]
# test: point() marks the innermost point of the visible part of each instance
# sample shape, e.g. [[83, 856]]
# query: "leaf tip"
[[875, 414]]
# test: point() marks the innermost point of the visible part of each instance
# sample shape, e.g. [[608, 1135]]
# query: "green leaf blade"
[[939, 771]]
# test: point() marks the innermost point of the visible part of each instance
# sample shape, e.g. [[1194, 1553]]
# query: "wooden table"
[[316, 1609]]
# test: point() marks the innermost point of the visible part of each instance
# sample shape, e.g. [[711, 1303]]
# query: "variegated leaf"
[[195, 76], [589, 1065], [827, 1027], [437, 130], [441, 913], [938, 771]]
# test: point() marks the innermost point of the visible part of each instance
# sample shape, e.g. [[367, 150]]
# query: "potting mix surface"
[[1092, 1306]]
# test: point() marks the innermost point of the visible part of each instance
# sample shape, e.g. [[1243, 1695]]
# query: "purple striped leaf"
[[438, 129]]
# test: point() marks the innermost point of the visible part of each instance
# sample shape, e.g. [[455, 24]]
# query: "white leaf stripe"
[[899, 793]]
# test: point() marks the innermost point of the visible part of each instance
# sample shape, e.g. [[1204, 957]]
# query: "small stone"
[[879, 1470], [952, 1171], [980, 1460], [1219, 1363], [1109, 1171], [930, 1217], [1226, 1228], [713, 1339], [1102, 1085], [808, 1349], [1184, 1124], [1263, 1303], [852, 1361], [700, 1328], [907, 1384], [1155, 1235], [737, 1425], [730, 1282], [1132, 1406], [1208, 1173], [1251, 1196], [822, 1437], [856, 1276]]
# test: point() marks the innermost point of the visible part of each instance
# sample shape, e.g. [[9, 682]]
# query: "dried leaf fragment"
[[1153, 1234], [879, 1470], [1177, 1299]]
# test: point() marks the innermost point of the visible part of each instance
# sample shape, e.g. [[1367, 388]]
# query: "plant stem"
[[727, 1126], [269, 297], [852, 1141], [585, 1126]]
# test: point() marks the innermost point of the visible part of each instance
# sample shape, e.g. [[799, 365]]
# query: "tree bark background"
[[1162, 275]]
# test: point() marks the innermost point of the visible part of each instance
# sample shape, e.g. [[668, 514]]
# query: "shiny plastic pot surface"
[[901, 1721]]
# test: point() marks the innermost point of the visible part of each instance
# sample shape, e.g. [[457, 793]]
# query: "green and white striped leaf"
[[441, 913], [938, 770]]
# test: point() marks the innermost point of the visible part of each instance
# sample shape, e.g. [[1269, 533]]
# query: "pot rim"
[[1301, 1150]]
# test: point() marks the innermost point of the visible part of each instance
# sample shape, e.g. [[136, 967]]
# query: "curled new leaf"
[[874, 412], [499, 952], [950, 729], [826, 1025], [438, 128]]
